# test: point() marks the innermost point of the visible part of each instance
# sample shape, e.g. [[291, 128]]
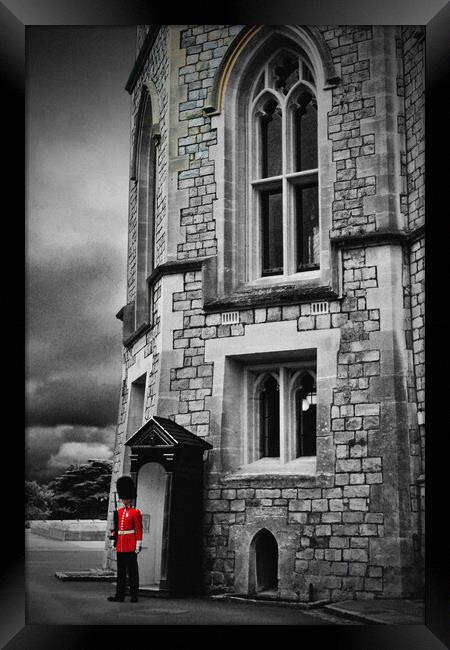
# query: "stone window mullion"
[[284, 415]]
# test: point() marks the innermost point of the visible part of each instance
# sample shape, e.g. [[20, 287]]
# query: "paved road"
[[50, 601]]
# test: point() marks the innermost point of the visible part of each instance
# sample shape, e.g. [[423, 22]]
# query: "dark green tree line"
[[81, 492]]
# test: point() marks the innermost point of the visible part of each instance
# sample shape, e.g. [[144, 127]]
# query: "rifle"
[[116, 522]]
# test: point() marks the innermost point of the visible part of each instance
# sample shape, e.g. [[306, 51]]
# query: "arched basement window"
[[269, 433], [266, 559]]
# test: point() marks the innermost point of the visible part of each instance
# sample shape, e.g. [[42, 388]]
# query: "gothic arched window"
[[144, 173], [284, 201], [281, 403], [271, 95]]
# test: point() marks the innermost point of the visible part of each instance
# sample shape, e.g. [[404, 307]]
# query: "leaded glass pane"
[[272, 232], [305, 126], [285, 72], [306, 416], [271, 141], [269, 419], [308, 244], [307, 74]]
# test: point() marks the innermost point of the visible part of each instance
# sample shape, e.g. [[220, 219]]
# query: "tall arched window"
[[144, 173], [283, 201], [272, 93]]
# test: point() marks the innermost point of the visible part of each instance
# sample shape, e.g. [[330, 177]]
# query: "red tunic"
[[129, 519]]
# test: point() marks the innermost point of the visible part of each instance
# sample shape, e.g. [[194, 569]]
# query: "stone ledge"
[[380, 611], [272, 600], [275, 480], [89, 575], [292, 294]]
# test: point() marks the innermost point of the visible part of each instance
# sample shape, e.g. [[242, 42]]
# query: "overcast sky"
[[78, 116]]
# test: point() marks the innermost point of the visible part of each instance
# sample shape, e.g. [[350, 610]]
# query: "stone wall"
[[339, 532], [413, 39]]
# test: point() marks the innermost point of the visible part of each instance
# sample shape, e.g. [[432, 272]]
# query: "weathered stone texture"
[[328, 523]]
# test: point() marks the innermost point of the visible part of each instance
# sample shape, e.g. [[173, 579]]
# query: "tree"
[[38, 501], [82, 491]]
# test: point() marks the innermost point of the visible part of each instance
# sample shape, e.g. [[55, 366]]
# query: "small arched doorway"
[[263, 576]]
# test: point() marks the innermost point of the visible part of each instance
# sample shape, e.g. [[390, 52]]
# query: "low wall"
[[70, 530]]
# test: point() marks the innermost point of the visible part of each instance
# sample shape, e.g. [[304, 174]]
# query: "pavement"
[[79, 595]]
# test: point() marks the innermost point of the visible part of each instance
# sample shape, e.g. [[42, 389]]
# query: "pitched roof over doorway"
[[162, 432]]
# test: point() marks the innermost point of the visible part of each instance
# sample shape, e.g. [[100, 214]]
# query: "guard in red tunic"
[[126, 538]]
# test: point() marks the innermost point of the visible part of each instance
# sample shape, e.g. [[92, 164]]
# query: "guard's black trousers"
[[127, 564]]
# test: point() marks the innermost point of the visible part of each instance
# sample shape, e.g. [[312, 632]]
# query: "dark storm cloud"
[[75, 400], [50, 450], [73, 339], [76, 231], [71, 321]]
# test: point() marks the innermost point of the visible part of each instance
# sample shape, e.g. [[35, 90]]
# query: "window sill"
[[283, 280], [286, 292], [136, 335], [272, 466]]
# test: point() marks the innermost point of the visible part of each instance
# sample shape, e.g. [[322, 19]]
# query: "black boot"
[[115, 599], [134, 599]]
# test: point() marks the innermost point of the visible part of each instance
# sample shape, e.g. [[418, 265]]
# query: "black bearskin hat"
[[125, 487]]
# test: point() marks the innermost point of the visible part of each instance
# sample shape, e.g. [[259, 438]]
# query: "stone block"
[[273, 314], [297, 517], [228, 494], [309, 493], [374, 478], [323, 530], [299, 505], [290, 312], [355, 555], [352, 517], [371, 464], [331, 517], [333, 555], [337, 504], [260, 315], [305, 323], [353, 465], [319, 505], [356, 490], [268, 493], [368, 529], [219, 505], [357, 569], [357, 479], [357, 504]]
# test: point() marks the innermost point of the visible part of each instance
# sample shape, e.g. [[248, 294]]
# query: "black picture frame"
[[16, 16]]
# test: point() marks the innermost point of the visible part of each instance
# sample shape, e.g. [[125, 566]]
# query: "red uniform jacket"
[[128, 531]]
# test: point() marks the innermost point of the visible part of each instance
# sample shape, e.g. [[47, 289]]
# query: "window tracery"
[[284, 202]]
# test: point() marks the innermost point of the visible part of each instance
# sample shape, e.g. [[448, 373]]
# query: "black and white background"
[[76, 162]]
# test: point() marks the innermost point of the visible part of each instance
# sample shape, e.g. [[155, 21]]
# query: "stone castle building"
[[275, 306]]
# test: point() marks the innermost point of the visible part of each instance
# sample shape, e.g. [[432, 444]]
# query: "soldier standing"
[[126, 538]]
